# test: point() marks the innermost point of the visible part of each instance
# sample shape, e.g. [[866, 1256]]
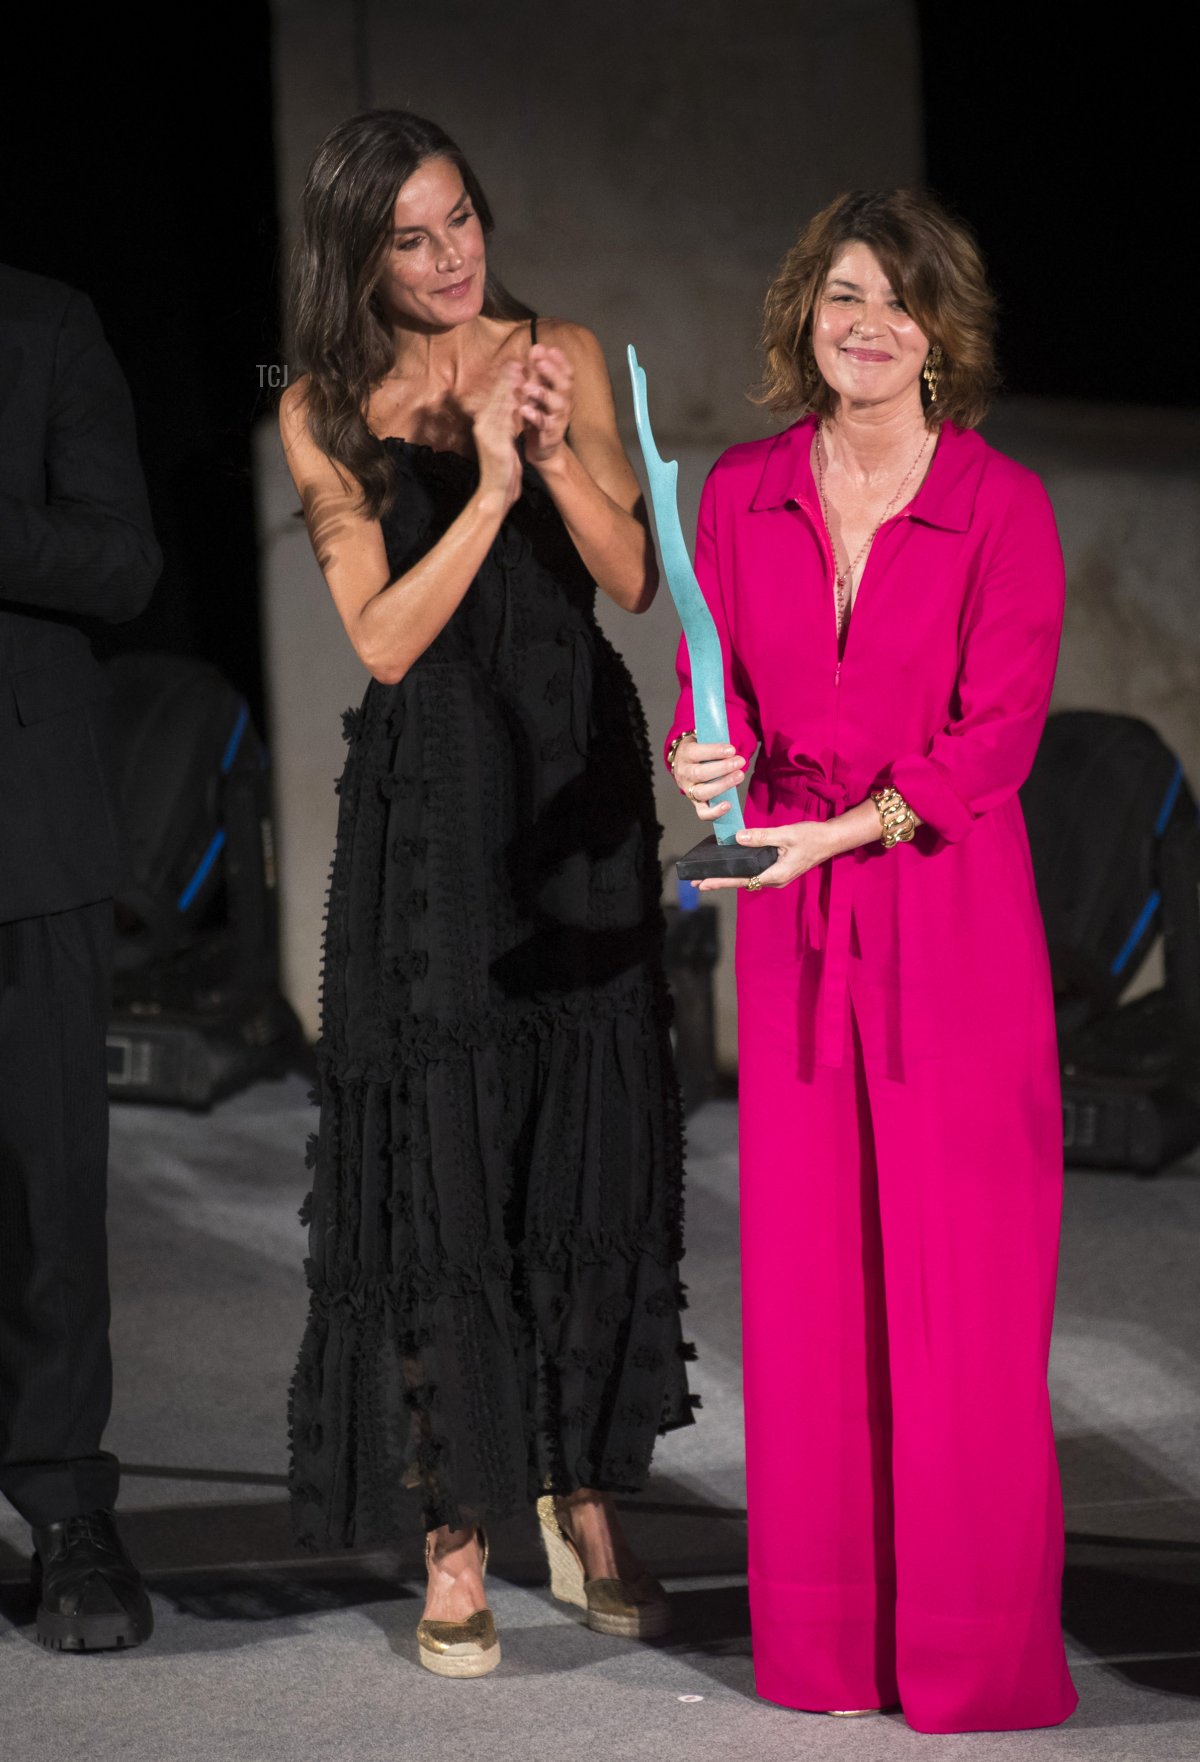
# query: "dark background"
[[139, 168], [1057, 132]]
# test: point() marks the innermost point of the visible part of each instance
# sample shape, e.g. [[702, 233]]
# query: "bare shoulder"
[[580, 345], [304, 456], [311, 467], [594, 406], [293, 410]]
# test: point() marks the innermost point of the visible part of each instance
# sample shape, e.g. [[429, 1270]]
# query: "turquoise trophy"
[[720, 855]]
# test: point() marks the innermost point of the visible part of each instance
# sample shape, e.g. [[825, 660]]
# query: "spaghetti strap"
[[533, 328]]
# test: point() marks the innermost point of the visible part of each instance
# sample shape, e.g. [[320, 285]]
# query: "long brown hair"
[[935, 268], [342, 338]]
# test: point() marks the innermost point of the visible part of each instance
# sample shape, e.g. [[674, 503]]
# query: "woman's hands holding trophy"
[[704, 772], [547, 402], [495, 423]]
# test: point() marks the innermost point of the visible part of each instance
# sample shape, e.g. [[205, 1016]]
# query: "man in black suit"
[[76, 545]]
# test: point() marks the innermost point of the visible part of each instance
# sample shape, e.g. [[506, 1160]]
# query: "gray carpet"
[[263, 1657]]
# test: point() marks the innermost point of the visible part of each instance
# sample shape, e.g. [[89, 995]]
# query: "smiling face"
[[433, 272], [866, 346]]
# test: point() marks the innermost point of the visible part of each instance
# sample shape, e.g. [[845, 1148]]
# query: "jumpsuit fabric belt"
[[827, 907]]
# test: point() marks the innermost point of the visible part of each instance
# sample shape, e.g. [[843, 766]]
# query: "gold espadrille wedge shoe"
[[460, 1648], [634, 1609]]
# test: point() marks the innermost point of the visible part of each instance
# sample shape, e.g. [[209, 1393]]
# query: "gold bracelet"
[[674, 747], [895, 816]]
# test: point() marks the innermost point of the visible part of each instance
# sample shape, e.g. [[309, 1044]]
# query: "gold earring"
[[931, 372]]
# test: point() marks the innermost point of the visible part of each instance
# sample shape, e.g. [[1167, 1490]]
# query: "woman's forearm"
[[615, 545], [397, 624]]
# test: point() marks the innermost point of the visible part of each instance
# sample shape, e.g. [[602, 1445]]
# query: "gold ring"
[[754, 883], [690, 792]]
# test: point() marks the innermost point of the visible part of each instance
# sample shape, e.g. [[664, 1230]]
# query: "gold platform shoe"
[[631, 1609], [459, 1648]]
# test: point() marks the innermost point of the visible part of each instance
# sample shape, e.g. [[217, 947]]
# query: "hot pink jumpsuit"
[[900, 1115]]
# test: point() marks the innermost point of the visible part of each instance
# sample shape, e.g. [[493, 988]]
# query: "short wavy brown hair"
[[933, 264]]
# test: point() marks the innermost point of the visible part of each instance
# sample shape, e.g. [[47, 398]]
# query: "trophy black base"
[[708, 861]]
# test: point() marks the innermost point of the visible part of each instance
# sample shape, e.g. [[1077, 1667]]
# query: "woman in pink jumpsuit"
[[901, 1132]]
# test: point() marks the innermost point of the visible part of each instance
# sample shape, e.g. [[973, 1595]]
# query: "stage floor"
[[260, 1656]]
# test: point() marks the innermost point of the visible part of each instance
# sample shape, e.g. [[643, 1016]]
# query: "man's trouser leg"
[[55, 1367]]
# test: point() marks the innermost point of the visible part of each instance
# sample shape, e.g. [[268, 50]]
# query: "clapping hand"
[[495, 425], [547, 402]]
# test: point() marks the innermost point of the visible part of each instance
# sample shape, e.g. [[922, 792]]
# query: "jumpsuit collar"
[[946, 498]]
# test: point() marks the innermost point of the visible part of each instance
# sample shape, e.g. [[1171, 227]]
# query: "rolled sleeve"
[[1006, 674]]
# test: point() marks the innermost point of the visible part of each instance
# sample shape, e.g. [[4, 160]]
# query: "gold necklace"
[[843, 577]]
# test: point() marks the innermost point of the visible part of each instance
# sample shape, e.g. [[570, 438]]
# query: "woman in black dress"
[[496, 1209]]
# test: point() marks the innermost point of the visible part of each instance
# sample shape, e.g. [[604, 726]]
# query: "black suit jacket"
[[76, 544]]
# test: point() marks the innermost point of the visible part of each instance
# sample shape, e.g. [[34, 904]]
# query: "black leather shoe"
[[90, 1594]]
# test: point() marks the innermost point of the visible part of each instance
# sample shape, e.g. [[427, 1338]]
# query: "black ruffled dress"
[[495, 1221]]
